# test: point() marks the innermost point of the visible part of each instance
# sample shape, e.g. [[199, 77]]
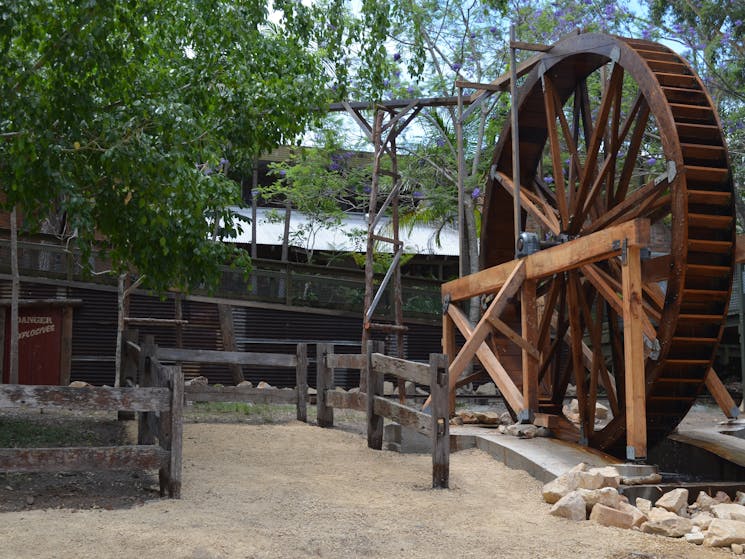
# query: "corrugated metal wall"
[[257, 328]]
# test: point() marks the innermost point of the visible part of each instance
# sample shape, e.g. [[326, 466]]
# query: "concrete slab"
[[543, 458]]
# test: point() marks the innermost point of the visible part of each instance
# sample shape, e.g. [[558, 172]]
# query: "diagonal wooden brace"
[[479, 334]]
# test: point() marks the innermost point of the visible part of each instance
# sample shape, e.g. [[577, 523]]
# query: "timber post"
[[374, 389], [633, 350], [324, 382], [172, 431], [438, 366], [146, 377], [301, 382]]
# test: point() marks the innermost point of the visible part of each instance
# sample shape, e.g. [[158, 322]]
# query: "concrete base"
[[542, 458], [405, 440]]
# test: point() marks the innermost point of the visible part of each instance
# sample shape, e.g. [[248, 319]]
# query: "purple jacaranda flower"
[[473, 35], [366, 189], [493, 30], [386, 82], [410, 90], [440, 142], [476, 192], [282, 172], [417, 195], [457, 66], [651, 161], [548, 179], [396, 56]]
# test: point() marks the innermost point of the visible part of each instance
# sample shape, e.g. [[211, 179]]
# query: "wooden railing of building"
[[159, 401], [207, 393], [375, 366]]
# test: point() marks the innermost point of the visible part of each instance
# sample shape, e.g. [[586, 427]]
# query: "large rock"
[[601, 412], [637, 517], [79, 384], [694, 537], [723, 532], [488, 417], [675, 501], [740, 498], [607, 516], [666, 523], [644, 505], [562, 485], [571, 506], [722, 497], [506, 418], [468, 416], [705, 501], [737, 548], [487, 389], [607, 496], [522, 430], [729, 511], [245, 384], [702, 519], [263, 385], [595, 478]]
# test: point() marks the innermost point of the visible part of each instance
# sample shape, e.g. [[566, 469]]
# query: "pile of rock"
[[583, 493]]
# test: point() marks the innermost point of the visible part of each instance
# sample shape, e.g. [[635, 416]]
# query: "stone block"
[[705, 501], [723, 533], [696, 538], [607, 516], [637, 516], [570, 506], [729, 511], [487, 389], [607, 496], [702, 519], [675, 501], [559, 487], [737, 548], [644, 505], [666, 523]]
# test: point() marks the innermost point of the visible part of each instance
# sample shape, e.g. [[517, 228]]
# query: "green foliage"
[[122, 118]]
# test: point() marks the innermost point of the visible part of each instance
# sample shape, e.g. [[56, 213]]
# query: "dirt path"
[[296, 490]]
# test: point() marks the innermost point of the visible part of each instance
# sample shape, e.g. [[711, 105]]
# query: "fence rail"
[[160, 401], [206, 393], [375, 365]]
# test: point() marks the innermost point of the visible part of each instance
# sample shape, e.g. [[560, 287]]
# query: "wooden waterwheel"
[[613, 132]]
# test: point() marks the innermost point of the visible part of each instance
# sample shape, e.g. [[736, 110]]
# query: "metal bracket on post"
[[623, 246]]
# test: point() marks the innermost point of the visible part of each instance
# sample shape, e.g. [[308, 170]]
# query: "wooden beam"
[[721, 396], [479, 334], [529, 320], [633, 350], [401, 368], [201, 393], [740, 249], [448, 348], [600, 245], [346, 361], [514, 337], [227, 329], [490, 362], [438, 388], [100, 398], [301, 381], [226, 357], [80, 459], [375, 414]]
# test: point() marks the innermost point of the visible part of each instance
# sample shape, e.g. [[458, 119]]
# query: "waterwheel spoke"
[[628, 209], [576, 332], [593, 148], [632, 153], [532, 204], [552, 110]]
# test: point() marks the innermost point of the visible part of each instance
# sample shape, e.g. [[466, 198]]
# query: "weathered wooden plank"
[[633, 350], [438, 366], [226, 357], [374, 377], [301, 382], [406, 416], [86, 398], [324, 384], [401, 368], [227, 329], [346, 361], [448, 348], [347, 400], [202, 393], [740, 249], [79, 459], [65, 362], [572, 254], [175, 445]]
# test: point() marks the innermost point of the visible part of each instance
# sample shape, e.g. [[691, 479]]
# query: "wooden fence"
[[160, 400], [375, 366], [207, 393]]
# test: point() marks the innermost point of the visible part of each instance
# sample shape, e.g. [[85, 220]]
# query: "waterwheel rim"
[[687, 280]]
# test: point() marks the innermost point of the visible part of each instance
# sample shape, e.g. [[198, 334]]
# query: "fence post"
[[324, 382], [438, 366], [145, 378], [301, 382], [177, 432], [374, 388]]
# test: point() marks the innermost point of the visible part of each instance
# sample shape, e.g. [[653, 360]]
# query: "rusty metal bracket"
[[445, 304], [440, 426]]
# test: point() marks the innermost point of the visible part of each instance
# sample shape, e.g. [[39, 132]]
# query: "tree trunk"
[[122, 308], [14, 296]]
